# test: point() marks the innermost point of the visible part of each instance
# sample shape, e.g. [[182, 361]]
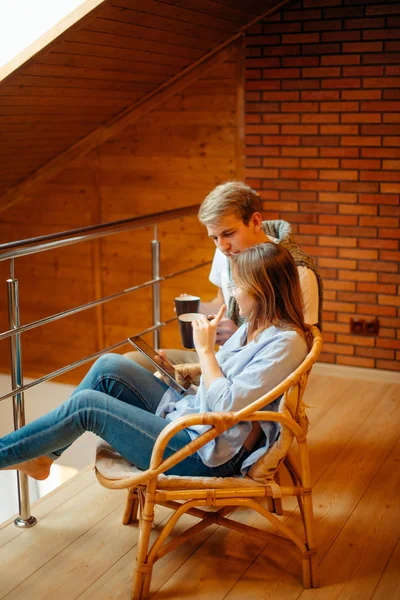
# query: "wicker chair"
[[187, 494]]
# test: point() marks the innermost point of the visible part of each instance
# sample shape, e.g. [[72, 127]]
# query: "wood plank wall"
[[172, 158]]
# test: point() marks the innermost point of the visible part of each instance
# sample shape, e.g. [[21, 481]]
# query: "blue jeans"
[[116, 400]]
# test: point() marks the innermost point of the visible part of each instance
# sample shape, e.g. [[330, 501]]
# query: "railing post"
[[155, 261], [25, 519]]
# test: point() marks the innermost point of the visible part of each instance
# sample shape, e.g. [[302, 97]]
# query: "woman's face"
[[245, 301]]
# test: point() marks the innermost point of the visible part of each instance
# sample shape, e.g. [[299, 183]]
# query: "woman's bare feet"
[[38, 468]]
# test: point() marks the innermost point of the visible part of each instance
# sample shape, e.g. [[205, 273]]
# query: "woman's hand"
[[205, 331]]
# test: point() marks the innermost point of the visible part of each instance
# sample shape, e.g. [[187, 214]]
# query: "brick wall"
[[323, 150]]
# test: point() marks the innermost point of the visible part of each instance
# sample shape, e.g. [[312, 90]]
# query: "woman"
[[128, 407]]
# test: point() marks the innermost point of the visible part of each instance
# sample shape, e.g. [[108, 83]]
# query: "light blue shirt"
[[249, 372]]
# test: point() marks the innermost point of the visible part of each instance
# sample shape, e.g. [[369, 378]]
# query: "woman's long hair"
[[269, 274]]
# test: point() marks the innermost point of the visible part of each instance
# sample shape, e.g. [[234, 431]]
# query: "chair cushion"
[[111, 465]]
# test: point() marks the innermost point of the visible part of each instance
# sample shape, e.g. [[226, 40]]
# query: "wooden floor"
[[79, 549]]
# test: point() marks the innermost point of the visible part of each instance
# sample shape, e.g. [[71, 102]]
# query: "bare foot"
[[38, 468]]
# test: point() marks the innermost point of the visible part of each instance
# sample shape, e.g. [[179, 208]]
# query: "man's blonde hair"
[[232, 197]]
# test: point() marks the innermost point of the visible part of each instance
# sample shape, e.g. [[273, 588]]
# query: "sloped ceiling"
[[102, 65]]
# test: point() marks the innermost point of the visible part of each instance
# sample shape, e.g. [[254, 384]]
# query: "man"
[[232, 215]]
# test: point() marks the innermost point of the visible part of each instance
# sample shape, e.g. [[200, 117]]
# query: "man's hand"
[[225, 329]]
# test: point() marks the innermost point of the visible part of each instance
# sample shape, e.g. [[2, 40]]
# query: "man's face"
[[231, 235]]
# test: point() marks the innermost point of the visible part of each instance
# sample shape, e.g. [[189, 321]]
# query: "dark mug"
[[185, 326], [187, 304]]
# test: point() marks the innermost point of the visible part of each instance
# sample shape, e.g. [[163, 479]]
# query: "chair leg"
[[309, 529], [143, 570], [131, 507]]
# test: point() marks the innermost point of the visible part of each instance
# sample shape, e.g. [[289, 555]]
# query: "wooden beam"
[[134, 112], [120, 122]]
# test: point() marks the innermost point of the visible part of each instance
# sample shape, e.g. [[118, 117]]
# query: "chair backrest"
[[291, 405]]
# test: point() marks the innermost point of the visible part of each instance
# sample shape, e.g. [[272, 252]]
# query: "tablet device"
[[165, 367]]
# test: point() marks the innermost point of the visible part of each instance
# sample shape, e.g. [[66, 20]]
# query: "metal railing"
[[14, 250]]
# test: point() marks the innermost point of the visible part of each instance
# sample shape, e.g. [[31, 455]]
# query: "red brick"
[[316, 207], [298, 151], [385, 255], [252, 118], [341, 36], [345, 11], [341, 59], [262, 151], [262, 40], [302, 38], [387, 364], [337, 263], [358, 276], [281, 27], [361, 94], [384, 82], [339, 174], [259, 63], [320, 251], [356, 209], [378, 199], [320, 95], [300, 217], [376, 287], [362, 47], [379, 222], [300, 61], [360, 164], [280, 118], [393, 70], [361, 118], [381, 34], [339, 285], [356, 361], [363, 71], [380, 266], [389, 233], [389, 277], [358, 231], [284, 50], [341, 83], [380, 58], [281, 206], [299, 129], [281, 73], [391, 118], [326, 163], [393, 211], [267, 84], [300, 196], [391, 188], [380, 152], [268, 195], [380, 129], [383, 106], [391, 164], [252, 74], [377, 310], [338, 242], [301, 84], [324, 357], [361, 140], [301, 15], [318, 229], [387, 333], [340, 306], [338, 348], [394, 344], [389, 300], [322, 25], [339, 129], [364, 23], [361, 254], [299, 106], [322, 186], [282, 95], [280, 162], [252, 162], [321, 72], [355, 340], [351, 152], [320, 118], [306, 239], [339, 106], [282, 140], [263, 173], [351, 186], [379, 244], [375, 353], [379, 176], [261, 129], [252, 96], [319, 140], [337, 197], [280, 184], [299, 173]]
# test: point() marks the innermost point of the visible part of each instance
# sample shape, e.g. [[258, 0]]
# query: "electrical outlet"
[[360, 326]]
